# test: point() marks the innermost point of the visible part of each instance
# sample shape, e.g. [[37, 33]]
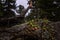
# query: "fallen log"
[[10, 21]]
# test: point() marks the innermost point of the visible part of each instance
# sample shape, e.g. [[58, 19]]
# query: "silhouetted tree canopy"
[[6, 6], [50, 8]]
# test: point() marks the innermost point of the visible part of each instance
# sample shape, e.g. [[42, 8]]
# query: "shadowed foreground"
[[23, 32]]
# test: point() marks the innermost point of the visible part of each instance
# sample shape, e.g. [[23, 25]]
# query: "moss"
[[47, 30]]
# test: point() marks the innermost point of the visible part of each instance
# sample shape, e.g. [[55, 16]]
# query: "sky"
[[24, 3]]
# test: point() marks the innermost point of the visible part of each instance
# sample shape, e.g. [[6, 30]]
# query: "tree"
[[49, 8], [6, 6], [8, 15]]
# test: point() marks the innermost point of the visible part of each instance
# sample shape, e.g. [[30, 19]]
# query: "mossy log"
[[23, 32]]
